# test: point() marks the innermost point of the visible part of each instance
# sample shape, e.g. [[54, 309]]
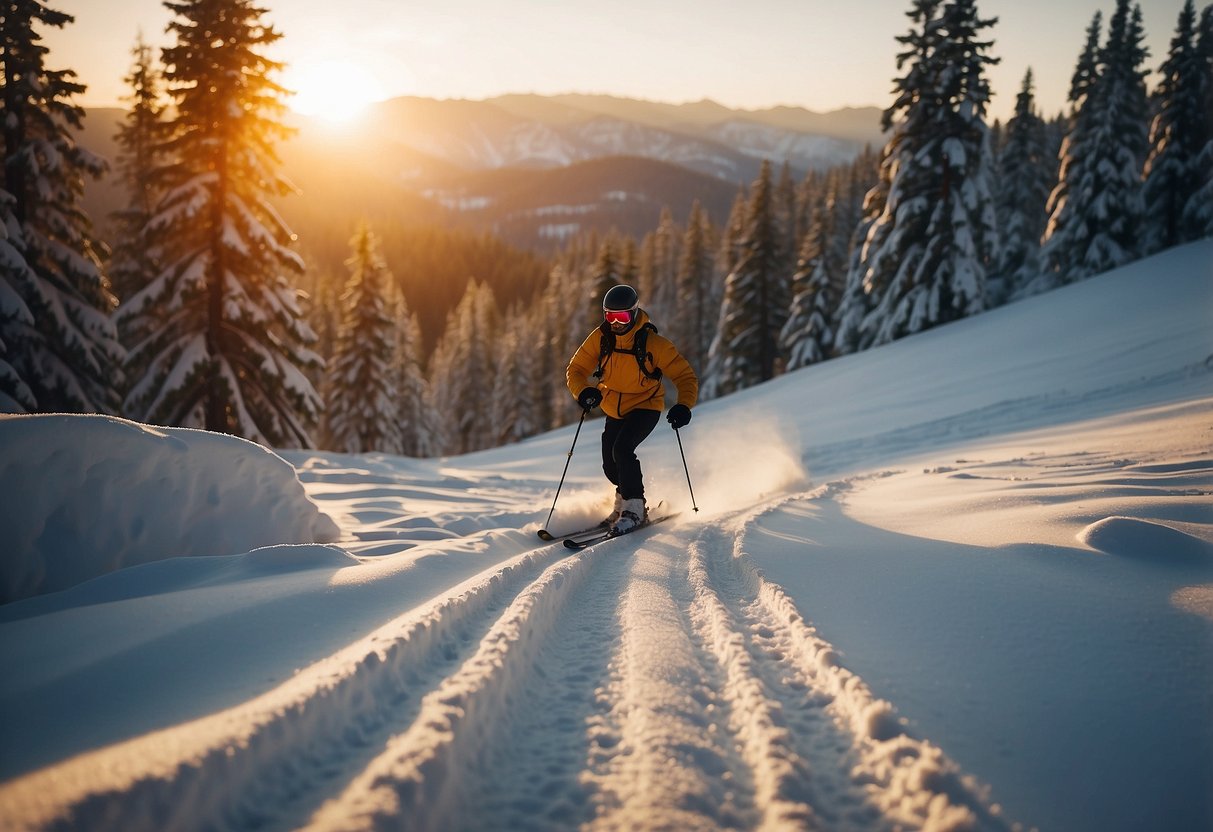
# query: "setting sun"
[[332, 90]]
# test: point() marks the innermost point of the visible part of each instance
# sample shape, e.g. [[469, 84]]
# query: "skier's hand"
[[590, 398], [679, 416]]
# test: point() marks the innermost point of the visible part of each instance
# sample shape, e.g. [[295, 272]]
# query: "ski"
[[544, 534], [597, 529], [586, 542]]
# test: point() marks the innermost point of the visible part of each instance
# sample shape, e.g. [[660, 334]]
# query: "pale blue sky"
[[818, 54]]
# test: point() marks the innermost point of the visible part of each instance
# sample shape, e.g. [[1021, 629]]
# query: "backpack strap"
[[642, 354], [606, 346], [639, 350]]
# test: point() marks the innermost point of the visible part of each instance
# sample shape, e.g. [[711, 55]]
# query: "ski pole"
[[685, 468], [566, 469]]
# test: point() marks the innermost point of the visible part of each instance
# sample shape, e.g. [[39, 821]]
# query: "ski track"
[[657, 681], [260, 764], [862, 770]]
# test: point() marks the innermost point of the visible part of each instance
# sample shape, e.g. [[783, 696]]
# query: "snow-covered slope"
[[961, 581]]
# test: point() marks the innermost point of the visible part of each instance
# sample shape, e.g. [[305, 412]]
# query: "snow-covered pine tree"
[[757, 293], [1056, 129], [806, 198], [1026, 170], [698, 299], [229, 341], [926, 256], [658, 269], [360, 392], [865, 286], [997, 137], [727, 254], [1073, 131], [663, 300], [461, 373], [441, 380], [848, 186], [868, 206], [17, 281], [1086, 69], [552, 334], [731, 237], [514, 382], [808, 335], [133, 263], [412, 397], [1182, 127], [322, 309], [61, 347], [860, 176], [135, 259], [1096, 209], [629, 260], [646, 277], [607, 271], [786, 213], [1198, 213]]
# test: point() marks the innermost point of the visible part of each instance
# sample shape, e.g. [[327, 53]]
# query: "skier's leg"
[[634, 429], [610, 433]]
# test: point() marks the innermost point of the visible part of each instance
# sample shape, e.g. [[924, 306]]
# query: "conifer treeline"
[[953, 218], [950, 218]]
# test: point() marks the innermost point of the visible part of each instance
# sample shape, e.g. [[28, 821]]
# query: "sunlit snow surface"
[[963, 581]]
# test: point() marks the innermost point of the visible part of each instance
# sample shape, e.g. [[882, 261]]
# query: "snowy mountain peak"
[[537, 131]]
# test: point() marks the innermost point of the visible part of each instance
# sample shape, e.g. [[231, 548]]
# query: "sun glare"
[[337, 91]]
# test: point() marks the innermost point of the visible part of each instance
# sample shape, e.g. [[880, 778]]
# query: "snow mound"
[[84, 495], [279, 560], [1146, 540]]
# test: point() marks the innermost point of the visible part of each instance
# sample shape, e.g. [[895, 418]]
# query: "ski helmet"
[[620, 297]]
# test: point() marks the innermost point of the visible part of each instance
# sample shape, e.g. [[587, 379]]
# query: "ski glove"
[[590, 398], [679, 416]]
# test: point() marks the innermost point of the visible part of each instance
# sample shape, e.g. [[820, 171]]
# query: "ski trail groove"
[[893, 780], [781, 776], [265, 763], [529, 774], [666, 760], [414, 783]]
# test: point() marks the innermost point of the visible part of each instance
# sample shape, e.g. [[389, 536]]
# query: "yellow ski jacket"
[[624, 387]]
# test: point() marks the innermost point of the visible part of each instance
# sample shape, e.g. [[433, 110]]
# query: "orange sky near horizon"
[[808, 53]]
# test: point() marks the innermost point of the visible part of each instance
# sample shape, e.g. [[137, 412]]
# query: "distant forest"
[[197, 289]]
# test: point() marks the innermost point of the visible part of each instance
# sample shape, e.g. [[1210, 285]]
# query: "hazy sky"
[[818, 54]]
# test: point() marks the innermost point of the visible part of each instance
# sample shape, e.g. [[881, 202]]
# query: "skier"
[[620, 366]]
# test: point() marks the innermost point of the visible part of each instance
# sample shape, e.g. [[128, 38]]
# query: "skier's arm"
[[679, 371], [582, 366]]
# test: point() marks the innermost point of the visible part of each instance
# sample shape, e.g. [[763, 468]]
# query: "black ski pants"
[[620, 438]]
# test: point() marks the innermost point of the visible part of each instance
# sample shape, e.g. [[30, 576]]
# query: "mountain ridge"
[[528, 130], [461, 163], [860, 123]]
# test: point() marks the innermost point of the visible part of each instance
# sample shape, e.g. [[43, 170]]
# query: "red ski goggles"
[[618, 316]]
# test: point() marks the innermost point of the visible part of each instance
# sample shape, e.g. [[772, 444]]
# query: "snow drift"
[[84, 495], [1153, 541]]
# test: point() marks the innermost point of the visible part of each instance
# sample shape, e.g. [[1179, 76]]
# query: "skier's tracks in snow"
[[831, 755], [634, 685]]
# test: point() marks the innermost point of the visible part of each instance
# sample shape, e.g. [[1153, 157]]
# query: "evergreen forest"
[[195, 303]]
